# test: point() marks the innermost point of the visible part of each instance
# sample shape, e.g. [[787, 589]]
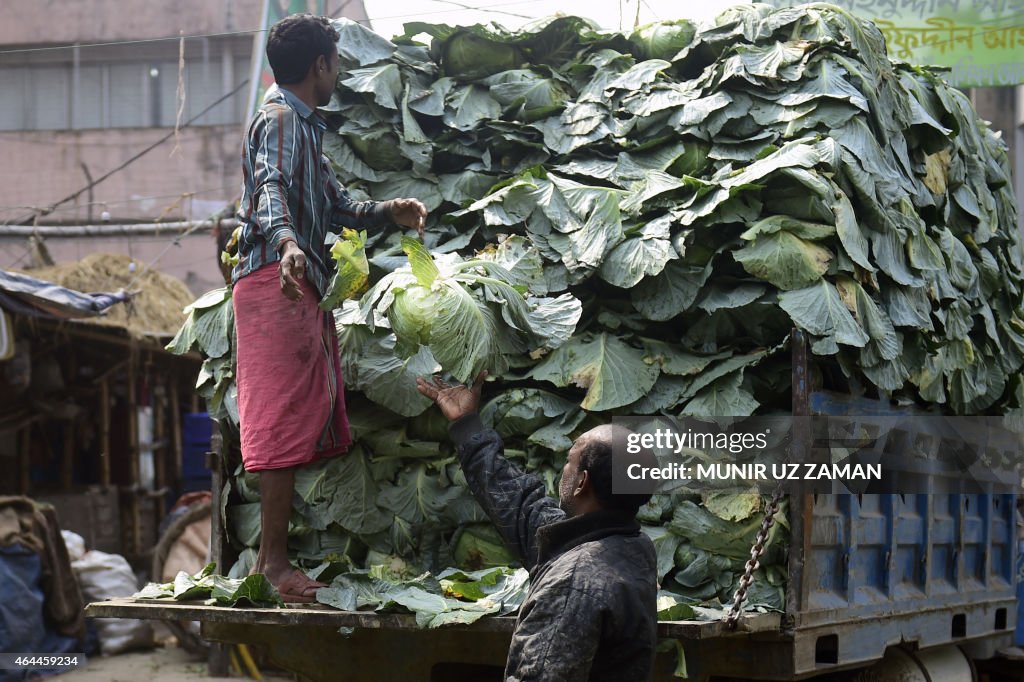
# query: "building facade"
[[91, 84]]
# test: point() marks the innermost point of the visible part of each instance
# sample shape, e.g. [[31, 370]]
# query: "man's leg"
[[276, 490]]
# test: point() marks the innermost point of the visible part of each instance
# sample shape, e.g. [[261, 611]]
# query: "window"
[[121, 94], [89, 98], [12, 105], [124, 96]]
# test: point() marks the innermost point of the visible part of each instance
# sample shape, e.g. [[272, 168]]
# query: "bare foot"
[[294, 585]]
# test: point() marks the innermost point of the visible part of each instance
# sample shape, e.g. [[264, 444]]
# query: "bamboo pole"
[[133, 420], [67, 470], [24, 461], [160, 452], [133, 453], [67, 465], [105, 433], [176, 451], [160, 447]]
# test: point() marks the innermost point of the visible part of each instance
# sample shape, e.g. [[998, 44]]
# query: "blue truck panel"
[[869, 571]]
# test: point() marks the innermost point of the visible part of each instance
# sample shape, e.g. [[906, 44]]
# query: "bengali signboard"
[[981, 41]]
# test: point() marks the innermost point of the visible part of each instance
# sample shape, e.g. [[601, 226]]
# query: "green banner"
[[261, 76], [981, 41]]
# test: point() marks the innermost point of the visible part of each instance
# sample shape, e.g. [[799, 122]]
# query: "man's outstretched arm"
[[515, 501]]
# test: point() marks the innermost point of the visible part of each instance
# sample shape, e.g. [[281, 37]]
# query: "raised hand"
[[455, 401]]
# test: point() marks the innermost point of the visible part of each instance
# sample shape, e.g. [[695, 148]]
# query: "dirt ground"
[[162, 664]]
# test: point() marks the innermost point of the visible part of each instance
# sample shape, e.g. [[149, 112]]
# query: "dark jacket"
[[591, 611]]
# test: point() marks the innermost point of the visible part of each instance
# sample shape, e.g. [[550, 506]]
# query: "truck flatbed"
[[318, 615], [307, 639]]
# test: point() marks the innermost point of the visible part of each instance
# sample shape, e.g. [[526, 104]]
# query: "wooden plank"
[[219, 545], [316, 615], [306, 615], [801, 502], [709, 629]]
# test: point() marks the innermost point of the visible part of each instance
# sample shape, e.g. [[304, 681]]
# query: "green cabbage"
[[472, 315], [663, 40], [470, 57], [411, 315], [480, 546]]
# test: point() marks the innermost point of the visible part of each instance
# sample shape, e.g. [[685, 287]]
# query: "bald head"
[[587, 477]]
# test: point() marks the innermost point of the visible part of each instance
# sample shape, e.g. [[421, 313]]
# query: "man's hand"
[[455, 401], [293, 270], [409, 213]]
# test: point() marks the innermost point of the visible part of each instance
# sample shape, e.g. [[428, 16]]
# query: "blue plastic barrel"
[[196, 429], [197, 432]]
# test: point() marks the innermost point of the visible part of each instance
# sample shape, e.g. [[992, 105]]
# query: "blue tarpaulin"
[[23, 627], [24, 295]]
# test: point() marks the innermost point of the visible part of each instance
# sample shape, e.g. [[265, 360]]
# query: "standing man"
[[591, 613], [290, 389]]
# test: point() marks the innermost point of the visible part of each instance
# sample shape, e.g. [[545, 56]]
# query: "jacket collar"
[[559, 537]]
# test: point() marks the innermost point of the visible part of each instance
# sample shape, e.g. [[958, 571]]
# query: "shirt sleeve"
[[275, 138], [515, 501], [357, 215]]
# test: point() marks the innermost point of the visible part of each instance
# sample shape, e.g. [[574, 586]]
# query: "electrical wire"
[[123, 202], [133, 159], [469, 8], [175, 241], [140, 41], [23, 136], [480, 8]]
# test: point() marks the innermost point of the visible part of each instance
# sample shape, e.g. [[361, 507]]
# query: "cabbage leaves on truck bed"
[[700, 192]]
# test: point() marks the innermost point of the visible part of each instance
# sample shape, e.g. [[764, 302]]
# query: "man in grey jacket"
[[591, 612]]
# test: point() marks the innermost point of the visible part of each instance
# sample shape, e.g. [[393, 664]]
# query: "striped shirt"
[[290, 193]]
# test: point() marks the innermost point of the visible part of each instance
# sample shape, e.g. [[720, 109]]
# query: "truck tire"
[[938, 664]]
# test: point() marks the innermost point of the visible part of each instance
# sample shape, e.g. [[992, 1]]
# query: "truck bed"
[[384, 647]]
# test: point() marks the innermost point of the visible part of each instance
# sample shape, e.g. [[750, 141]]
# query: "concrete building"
[[90, 84]]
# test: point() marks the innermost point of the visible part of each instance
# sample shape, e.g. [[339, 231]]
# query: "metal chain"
[[733, 619]]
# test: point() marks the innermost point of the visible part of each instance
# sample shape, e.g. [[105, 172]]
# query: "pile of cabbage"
[[660, 209]]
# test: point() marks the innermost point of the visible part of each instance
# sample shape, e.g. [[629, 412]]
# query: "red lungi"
[[291, 398]]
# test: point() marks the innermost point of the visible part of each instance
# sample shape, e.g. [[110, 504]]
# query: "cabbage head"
[[379, 150], [411, 315], [663, 40], [468, 56], [479, 545]]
